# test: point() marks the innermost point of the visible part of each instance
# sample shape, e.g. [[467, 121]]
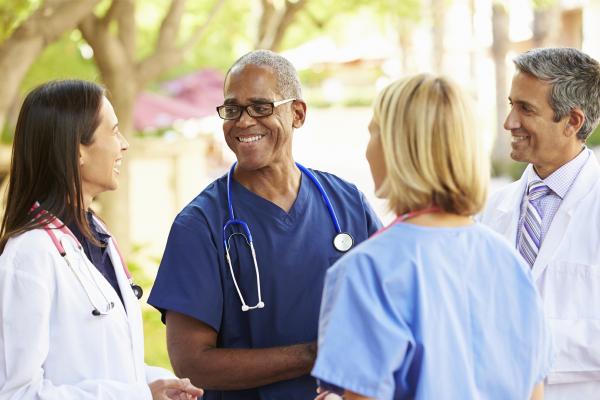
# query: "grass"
[[155, 345]]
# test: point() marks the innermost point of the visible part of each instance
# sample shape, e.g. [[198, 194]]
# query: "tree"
[[500, 48], [112, 36], [438, 9], [274, 21], [27, 41]]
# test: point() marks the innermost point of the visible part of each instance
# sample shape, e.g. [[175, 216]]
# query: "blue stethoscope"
[[342, 241]]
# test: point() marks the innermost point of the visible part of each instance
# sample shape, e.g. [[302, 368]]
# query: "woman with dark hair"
[[71, 326]]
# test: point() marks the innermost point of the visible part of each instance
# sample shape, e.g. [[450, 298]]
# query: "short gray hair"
[[575, 80], [288, 84]]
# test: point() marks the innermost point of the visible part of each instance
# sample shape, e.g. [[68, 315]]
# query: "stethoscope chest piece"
[[343, 242], [137, 290]]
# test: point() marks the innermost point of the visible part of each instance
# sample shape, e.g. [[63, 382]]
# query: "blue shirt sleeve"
[[188, 279], [373, 222], [358, 327]]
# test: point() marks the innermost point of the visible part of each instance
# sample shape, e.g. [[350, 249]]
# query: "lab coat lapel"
[[585, 181], [134, 318], [133, 315], [508, 210]]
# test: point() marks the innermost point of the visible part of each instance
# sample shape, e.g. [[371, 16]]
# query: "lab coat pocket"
[[577, 350], [571, 294], [571, 291]]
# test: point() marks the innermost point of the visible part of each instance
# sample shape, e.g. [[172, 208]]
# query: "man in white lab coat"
[[552, 214]]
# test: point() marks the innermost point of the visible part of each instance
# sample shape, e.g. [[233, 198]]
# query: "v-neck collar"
[[243, 199]]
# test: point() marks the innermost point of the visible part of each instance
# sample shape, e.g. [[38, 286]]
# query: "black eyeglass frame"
[[250, 109]]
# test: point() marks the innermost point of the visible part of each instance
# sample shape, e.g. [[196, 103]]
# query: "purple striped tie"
[[531, 230]]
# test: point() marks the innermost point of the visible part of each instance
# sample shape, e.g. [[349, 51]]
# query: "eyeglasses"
[[255, 110]]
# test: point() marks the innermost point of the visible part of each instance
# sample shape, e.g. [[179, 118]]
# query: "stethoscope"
[[55, 224], [342, 241]]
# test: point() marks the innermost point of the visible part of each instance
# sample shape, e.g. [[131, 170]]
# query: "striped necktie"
[[531, 230]]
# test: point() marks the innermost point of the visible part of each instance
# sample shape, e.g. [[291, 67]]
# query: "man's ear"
[[575, 121], [299, 113]]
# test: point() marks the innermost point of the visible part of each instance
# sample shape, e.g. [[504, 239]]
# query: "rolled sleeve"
[[188, 279]]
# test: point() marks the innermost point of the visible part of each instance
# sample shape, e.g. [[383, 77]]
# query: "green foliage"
[[155, 342], [543, 4], [217, 48], [594, 138], [60, 60], [405, 9], [13, 13], [331, 17], [511, 168]]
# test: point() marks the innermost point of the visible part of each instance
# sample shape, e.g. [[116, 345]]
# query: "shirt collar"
[[560, 181], [98, 232]]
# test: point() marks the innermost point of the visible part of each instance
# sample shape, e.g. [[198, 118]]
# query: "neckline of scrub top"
[[245, 199], [441, 229]]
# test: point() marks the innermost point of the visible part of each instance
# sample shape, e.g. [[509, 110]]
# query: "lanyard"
[[408, 215], [54, 223]]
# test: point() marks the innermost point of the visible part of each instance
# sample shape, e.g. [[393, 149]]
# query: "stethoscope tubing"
[[55, 224], [316, 182], [233, 221], [302, 168]]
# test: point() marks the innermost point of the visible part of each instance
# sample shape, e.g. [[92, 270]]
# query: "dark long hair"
[[54, 120]]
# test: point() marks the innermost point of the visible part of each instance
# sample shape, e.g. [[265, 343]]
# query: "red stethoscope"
[[54, 224]]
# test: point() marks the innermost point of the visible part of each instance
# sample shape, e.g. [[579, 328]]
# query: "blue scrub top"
[[433, 313], [293, 252]]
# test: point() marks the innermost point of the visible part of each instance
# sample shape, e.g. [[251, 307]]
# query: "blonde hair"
[[434, 155]]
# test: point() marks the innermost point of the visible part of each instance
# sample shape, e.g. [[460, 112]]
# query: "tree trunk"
[[572, 28], [473, 51], [115, 205], [274, 23], [405, 29], [438, 29], [24, 46], [500, 46], [546, 25], [125, 77]]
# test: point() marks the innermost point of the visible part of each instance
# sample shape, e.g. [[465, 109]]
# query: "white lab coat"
[[567, 274], [51, 346]]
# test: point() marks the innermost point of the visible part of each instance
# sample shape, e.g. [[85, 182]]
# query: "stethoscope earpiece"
[[246, 307]]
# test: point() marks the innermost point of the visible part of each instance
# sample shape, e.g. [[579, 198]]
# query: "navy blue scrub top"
[[293, 252], [98, 255]]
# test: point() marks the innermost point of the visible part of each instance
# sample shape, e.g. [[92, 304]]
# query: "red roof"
[[192, 96]]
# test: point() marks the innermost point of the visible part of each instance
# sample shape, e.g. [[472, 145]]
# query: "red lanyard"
[[408, 215], [53, 223]]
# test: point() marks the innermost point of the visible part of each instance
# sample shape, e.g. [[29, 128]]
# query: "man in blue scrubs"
[[263, 352]]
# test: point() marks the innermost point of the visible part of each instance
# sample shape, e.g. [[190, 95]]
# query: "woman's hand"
[[326, 395], [174, 389]]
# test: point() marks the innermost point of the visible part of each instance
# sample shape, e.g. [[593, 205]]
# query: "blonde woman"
[[435, 306]]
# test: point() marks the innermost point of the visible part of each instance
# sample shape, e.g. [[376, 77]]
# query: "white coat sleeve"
[[25, 309], [153, 373]]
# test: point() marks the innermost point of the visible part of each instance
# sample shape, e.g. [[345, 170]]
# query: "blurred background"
[[163, 63]]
